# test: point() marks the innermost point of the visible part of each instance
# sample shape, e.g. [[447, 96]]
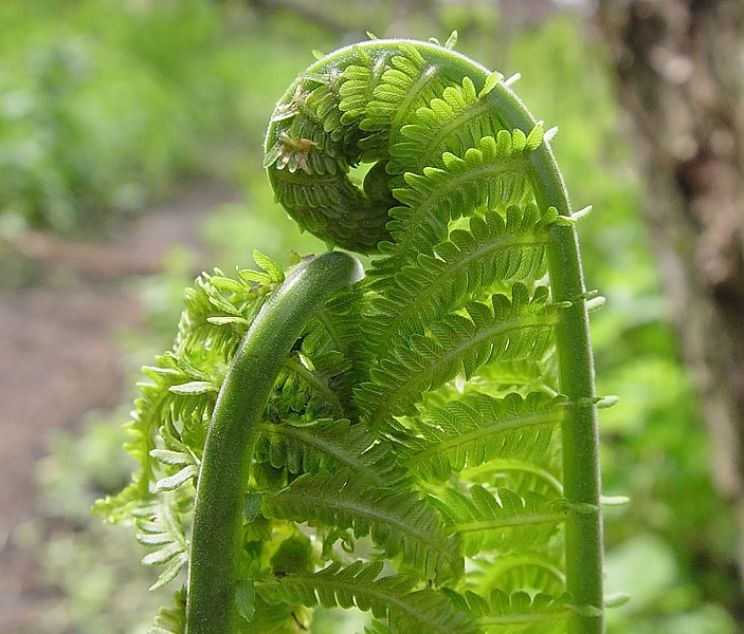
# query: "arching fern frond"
[[519, 613], [478, 429], [494, 249], [516, 329], [328, 445], [160, 528], [178, 391], [506, 523], [360, 585], [396, 519]]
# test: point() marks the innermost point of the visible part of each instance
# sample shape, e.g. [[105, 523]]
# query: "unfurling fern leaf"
[[519, 612], [328, 446], [433, 423], [505, 523], [480, 429], [393, 598], [502, 330], [398, 521]]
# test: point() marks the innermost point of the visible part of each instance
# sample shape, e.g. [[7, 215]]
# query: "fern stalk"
[[232, 433], [580, 431]]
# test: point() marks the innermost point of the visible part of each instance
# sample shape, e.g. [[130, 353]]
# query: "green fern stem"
[[359, 232], [580, 431], [232, 433]]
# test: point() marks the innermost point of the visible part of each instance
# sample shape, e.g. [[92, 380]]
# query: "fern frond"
[[339, 320], [328, 445], [495, 249], [478, 429], [521, 613], [150, 411], [490, 175], [179, 389], [396, 519], [218, 309], [453, 123], [416, 414], [304, 386], [408, 83], [522, 376], [503, 523], [360, 80], [360, 585], [521, 476], [160, 528], [526, 571], [516, 329]]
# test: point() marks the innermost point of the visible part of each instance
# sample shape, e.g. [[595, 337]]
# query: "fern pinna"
[[418, 442]]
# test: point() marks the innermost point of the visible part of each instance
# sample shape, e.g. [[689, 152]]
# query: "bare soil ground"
[[59, 359]]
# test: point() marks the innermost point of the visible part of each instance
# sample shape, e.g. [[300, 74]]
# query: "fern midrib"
[[426, 157], [531, 519], [499, 427], [316, 383], [372, 513], [450, 270], [451, 355], [376, 71], [359, 468]]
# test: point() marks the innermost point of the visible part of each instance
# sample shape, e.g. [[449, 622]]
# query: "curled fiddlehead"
[[443, 408]]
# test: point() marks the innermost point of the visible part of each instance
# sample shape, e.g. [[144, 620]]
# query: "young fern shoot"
[[420, 444]]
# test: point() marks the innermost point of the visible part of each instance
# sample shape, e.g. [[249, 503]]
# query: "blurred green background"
[[111, 108]]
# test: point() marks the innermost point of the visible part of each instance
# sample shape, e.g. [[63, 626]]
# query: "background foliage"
[[108, 104]]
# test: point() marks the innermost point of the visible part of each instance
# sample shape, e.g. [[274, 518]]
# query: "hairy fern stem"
[[580, 431], [228, 452]]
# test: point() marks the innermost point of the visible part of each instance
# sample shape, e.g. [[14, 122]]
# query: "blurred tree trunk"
[[680, 74]]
